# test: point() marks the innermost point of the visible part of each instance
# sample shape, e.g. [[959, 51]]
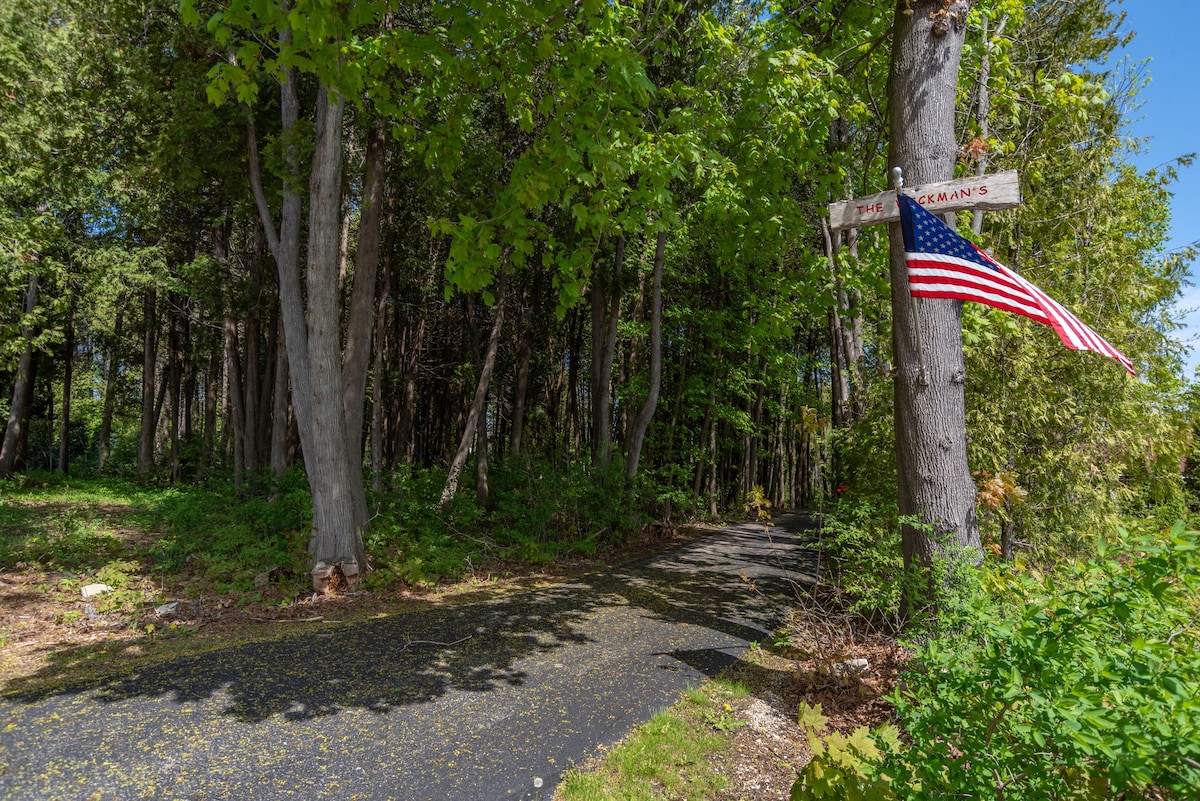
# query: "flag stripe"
[[942, 264], [926, 280]]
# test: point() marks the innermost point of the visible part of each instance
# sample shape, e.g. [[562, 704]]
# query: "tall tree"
[[935, 482]]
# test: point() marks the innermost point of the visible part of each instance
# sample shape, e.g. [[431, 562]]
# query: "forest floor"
[[49, 633]]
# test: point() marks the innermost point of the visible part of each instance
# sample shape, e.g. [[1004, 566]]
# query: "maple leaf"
[[812, 719]]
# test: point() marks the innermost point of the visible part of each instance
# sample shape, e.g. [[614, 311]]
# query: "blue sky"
[[1169, 119]]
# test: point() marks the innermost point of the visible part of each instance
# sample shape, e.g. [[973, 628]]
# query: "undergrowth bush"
[[1081, 683], [536, 512], [228, 541], [861, 558]]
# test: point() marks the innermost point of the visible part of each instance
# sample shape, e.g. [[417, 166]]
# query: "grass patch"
[[671, 756]]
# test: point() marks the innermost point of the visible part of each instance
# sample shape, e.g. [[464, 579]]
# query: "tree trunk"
[[414, 341], [145, 463], [606, 311], [339, 506], [178, 360], [983, 108], [110, 389], [212, 388], [840, 357], [237, 409], [280, 419], [251, 328], [313, 339], [64, 424], [477, 407], [377, 416], [11, 446], [935, 483], [637, 433], [521, 389], [357, 354], [482, 492]]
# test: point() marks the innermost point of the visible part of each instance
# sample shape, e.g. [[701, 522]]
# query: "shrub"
[[860, 547], [1082, 683]]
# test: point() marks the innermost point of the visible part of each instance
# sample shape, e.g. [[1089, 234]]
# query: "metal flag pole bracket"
[[898, 183]]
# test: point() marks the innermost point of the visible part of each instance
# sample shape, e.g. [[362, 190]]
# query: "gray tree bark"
[[313, 336], [281, 400], [339, 511], [110, 388], [637, 429], [934, 480], [64, 426], [145, 462], [983, 108], [477, 406], [362, 307], [237, 409], [11, 445], [606, 312]]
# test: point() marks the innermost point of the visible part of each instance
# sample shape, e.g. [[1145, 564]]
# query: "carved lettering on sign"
[[985, 193]]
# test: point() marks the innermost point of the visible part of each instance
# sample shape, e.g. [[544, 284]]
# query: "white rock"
[[167, 609], [856, 665], [92, 590]]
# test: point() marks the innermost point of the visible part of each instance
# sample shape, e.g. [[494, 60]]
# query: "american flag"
[[942, 264]]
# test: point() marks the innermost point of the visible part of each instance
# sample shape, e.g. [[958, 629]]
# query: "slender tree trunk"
[[852, 335], [212, 389], [237, 410], [252, 330], [357, 353], [414, 341], [482, 490], [145, 463], [280, 418], [174, 386], [377, 381], [112, 370], [701, 460], [574, 437], [64, 425], [606, 310], [189, 383], [640, 425], [477, 407], [26, 401], [13, 432], [839, 355], [935, 482], [983, 109], [521, 389], [712, 472]]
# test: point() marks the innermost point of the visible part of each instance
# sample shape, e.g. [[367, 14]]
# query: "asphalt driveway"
[[469, 702]]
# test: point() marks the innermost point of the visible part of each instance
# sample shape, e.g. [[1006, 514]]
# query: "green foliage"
[[536, 513], [67, 538], [860, 546], [229, 543], [1083, 683], [849, 767]]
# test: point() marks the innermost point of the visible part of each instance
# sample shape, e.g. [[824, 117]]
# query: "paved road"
[[536, 682]]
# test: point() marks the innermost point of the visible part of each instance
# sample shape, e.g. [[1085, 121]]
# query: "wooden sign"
[[982, 193]]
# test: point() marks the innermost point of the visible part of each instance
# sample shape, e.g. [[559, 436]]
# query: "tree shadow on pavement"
[[737, 582]]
